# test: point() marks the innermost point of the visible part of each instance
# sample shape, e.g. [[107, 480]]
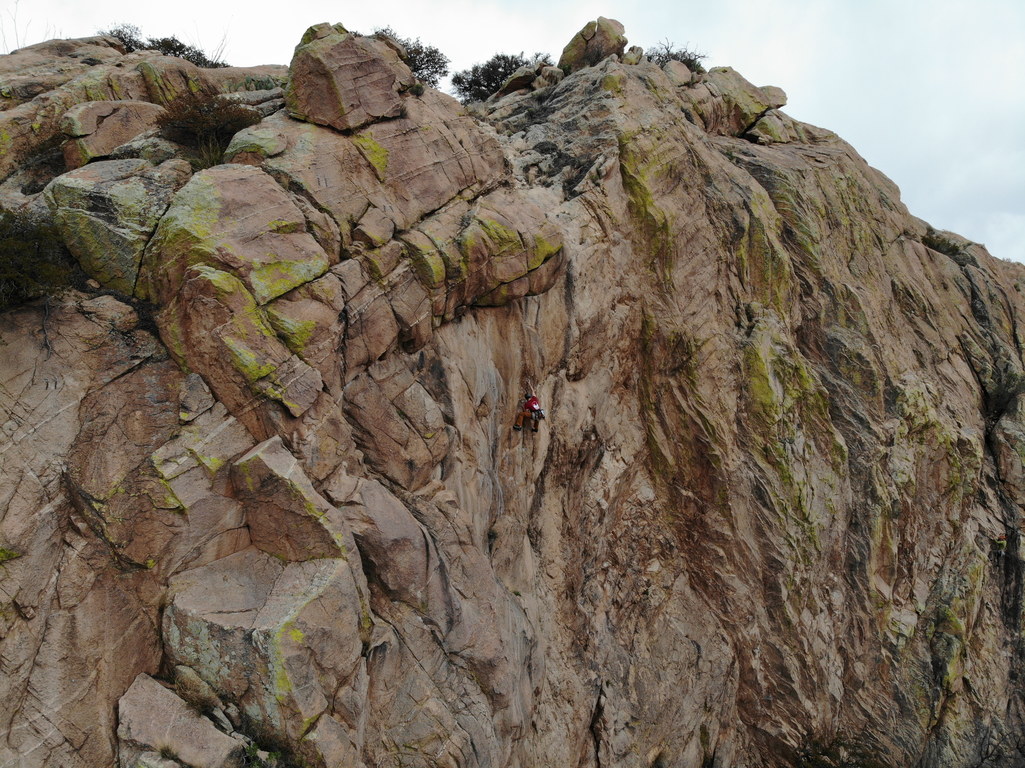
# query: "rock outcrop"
[[262, 495], [99, 127], [596, 41]]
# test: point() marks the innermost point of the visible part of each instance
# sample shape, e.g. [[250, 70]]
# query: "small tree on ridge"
[[427, 63], [481, 80]]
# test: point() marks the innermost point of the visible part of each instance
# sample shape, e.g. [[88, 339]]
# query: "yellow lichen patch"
[[637, 167], [294, 332], [374, 153]]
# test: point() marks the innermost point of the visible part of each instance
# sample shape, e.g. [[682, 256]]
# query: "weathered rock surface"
[[775, 510], [107, 212], [40, 83], [287, 518], [35, 69], [89, 540], [97, 128], [265, 635], [151, 718], [344, 80]]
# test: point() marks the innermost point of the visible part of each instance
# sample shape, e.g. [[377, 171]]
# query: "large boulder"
[[235, 218], [725, 103], [344, 80], [279, 638], [233, 240], [596, 41], [96, 128], [287, 517], [107, 211]]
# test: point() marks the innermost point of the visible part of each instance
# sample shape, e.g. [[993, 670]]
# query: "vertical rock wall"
[[774, 510]]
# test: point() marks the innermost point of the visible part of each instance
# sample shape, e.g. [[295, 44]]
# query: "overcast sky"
[[930, 92]]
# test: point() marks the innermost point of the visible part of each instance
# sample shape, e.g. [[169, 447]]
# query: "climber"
[[529, 409]]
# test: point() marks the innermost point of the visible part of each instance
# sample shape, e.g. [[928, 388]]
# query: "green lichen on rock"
[[788, 407], [500, 295], [541, 252], [246, 360], [212, 463], [780, 383], [260, 140], [184, 237], [6, 555], [374, 153], [161, 89], [429, 267], [295, 333], [106, 213], [247, 332], [654, 224], [318, 31], [613, 83], [163, 496], [502, 238], [276, 278], [762, 260]]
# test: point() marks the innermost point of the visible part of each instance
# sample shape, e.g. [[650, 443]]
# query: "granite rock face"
[[775, 509], [41, 83]]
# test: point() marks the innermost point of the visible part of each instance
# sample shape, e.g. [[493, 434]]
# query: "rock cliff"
[[263, 504]]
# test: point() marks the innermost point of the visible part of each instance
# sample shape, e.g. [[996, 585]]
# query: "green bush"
[[937, 241], [426, 62], [131, 37], [481, 80], [33, 260], [205, 123], [667, 51], [172, 46]]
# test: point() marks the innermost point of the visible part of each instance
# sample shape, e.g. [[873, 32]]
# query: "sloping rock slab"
[[287, 517], [151, 718], [235, 218]]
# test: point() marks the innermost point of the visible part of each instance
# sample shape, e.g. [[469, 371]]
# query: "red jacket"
[[531, 404]]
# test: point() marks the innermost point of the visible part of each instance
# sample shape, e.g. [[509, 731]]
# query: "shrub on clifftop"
[[427, 63], [481, 80], [205, 123], [666, 51], [131, 38]]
